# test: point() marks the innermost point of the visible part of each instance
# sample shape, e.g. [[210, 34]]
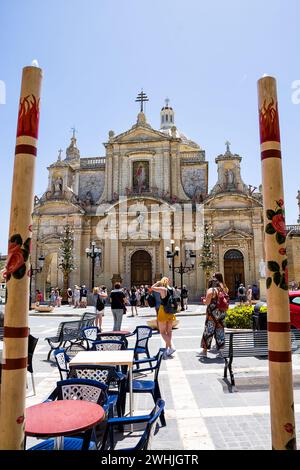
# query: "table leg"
[[58, 443], [130, 394]]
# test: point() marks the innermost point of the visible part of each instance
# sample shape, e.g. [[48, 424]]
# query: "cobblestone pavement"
[[201, 412]]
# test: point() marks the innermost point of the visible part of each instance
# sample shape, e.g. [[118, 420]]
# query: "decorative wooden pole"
[[279, 340], [14, 366]]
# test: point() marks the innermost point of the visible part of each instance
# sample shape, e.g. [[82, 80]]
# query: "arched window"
[[167, 118], [233, 254]]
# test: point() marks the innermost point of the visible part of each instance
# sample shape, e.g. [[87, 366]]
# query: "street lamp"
[[32, 272], [93, 252], [171, 253], [182, 269]]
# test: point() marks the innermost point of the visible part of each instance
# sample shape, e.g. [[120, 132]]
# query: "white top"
[[120, 358]]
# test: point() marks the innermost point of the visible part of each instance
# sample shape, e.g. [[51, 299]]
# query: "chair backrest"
[[90, 332], [82, 389], [113, 336], [108, 345], [74, 349], [98, 373], [143, 333], [32, 342], [159, 357], [62, 361], [145, 442], [88, 316]]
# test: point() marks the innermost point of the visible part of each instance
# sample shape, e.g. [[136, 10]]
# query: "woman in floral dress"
[[214, 326]]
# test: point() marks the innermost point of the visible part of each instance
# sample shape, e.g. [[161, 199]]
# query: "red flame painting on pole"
[[28, 119], [269, 123]]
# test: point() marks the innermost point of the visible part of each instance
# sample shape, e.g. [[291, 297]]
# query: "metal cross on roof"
[[227, 143], [142, 97], [74, 130]]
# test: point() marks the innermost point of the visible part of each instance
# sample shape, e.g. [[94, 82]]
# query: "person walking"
[[99, 296], [215, 315], [52, 298], [164, 319], [185, 294], [117, 300], [133, 301]]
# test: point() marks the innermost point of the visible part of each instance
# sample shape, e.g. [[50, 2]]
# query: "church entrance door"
[[234, 273], [141, 268]]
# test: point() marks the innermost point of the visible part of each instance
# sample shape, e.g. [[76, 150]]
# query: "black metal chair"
[[32, 342]]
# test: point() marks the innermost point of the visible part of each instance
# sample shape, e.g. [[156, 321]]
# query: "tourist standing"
[[117, 300], [83, 296], [70, 296], [214, 326], [242, 294], [255, 292], [99, 299], [76, 297], [164, 319], [52, 298], [133, 301], [249, 295]]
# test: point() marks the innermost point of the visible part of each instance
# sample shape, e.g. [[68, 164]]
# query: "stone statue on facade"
[[262, 268], [230, 179], [58, 185]]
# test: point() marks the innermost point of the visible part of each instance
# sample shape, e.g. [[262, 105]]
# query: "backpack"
[[172, 304], [223, 301], [151, 300], [99, 304], [241, 291]]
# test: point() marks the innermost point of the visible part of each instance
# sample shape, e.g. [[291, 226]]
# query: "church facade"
[[146, 196]]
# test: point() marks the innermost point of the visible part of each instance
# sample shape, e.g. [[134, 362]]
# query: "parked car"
[[294, 298]]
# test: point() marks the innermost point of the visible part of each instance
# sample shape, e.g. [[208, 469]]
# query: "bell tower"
[[167, 116]]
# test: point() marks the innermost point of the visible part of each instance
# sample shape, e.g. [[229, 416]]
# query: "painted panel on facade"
[[91, 186], [194, 182], [140, 175]]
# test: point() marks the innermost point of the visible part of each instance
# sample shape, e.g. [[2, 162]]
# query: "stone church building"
[[150, 188]]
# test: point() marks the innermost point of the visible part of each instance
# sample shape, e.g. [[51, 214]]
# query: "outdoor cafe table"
[[105, 358], [61, 418]]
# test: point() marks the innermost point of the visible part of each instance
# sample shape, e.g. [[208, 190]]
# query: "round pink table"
[[61, 418]]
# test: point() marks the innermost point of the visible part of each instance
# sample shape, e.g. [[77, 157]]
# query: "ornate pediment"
[[228, 235], [140, 134]]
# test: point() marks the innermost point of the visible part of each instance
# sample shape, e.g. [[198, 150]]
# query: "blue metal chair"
[[149, 386], [89, 334], [108, 345], [143, 334], [77, 389], [107, 375], [145, 440], [62, 360], [113, 336]]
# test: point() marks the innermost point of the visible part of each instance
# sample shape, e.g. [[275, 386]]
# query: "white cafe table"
[[108, 358]]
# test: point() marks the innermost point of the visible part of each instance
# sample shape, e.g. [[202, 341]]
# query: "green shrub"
[[239, 317]]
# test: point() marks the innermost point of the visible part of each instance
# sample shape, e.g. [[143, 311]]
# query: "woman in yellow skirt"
[[165, 320]]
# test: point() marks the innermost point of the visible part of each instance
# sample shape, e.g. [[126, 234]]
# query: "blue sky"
[[206, 56]]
